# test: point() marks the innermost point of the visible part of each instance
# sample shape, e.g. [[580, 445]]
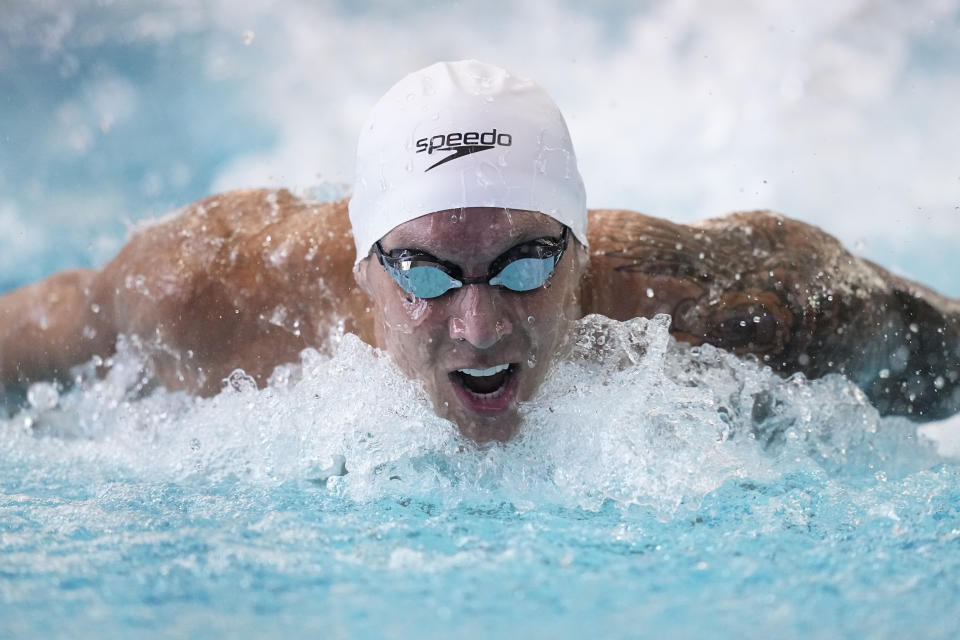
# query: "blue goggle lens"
[[525, 274], [423, 282]]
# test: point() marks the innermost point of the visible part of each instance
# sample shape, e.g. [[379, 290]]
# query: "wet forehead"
[[472, 234]]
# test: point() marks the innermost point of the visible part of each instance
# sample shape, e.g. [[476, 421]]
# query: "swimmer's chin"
[[497, 430], [482, 429]]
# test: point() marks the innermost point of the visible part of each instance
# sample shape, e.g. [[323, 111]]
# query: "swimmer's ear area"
[[362, 277], [581, 256]]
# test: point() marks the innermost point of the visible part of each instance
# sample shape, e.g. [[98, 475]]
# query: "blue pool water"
[[655, 490]]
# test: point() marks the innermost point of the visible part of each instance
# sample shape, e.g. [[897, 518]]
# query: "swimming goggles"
[[525, 267]]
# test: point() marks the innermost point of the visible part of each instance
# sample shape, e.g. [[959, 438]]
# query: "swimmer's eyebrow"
[[415, 244]]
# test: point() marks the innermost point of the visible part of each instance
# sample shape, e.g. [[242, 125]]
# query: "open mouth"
[[486, 391]]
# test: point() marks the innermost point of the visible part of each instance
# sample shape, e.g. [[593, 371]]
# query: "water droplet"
[[756, 319], [532, 360], [884, 373], [530, 319], [649, 292], [914, 327], [743, 323], [736, 276], [43, 395], [195, 445]]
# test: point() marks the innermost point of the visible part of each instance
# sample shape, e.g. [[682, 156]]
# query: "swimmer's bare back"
[[247, 279]]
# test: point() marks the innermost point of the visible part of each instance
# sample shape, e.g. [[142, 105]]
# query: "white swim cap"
[[463, 134]]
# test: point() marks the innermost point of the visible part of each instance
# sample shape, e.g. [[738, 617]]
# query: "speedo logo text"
[[462, 143]]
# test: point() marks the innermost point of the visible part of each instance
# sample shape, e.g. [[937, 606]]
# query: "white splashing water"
[[629, 416]]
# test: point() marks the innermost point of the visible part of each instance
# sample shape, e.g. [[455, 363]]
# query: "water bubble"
[[240, 381], [649, 292], [736, 276], [743, 323], [530, 319], [756, 319], [43, 396], [914, 327], [939, 383], [884, 373]]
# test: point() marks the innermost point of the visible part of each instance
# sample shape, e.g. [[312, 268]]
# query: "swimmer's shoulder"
[[245, 249]]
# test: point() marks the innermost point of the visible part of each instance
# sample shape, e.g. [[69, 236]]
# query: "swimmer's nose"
[[477, 317]]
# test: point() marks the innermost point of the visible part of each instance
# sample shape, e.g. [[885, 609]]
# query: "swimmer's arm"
[[911, 363], [49, 326], [784, 292]]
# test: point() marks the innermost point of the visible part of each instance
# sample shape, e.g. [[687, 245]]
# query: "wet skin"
[[248, 279], [477, 326]]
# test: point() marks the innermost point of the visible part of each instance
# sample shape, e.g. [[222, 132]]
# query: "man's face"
[[504, 339]]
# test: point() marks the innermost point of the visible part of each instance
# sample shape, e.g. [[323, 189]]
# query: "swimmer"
[[466, 253]]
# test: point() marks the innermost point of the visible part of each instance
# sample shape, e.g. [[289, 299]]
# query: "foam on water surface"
[[650, 480]]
